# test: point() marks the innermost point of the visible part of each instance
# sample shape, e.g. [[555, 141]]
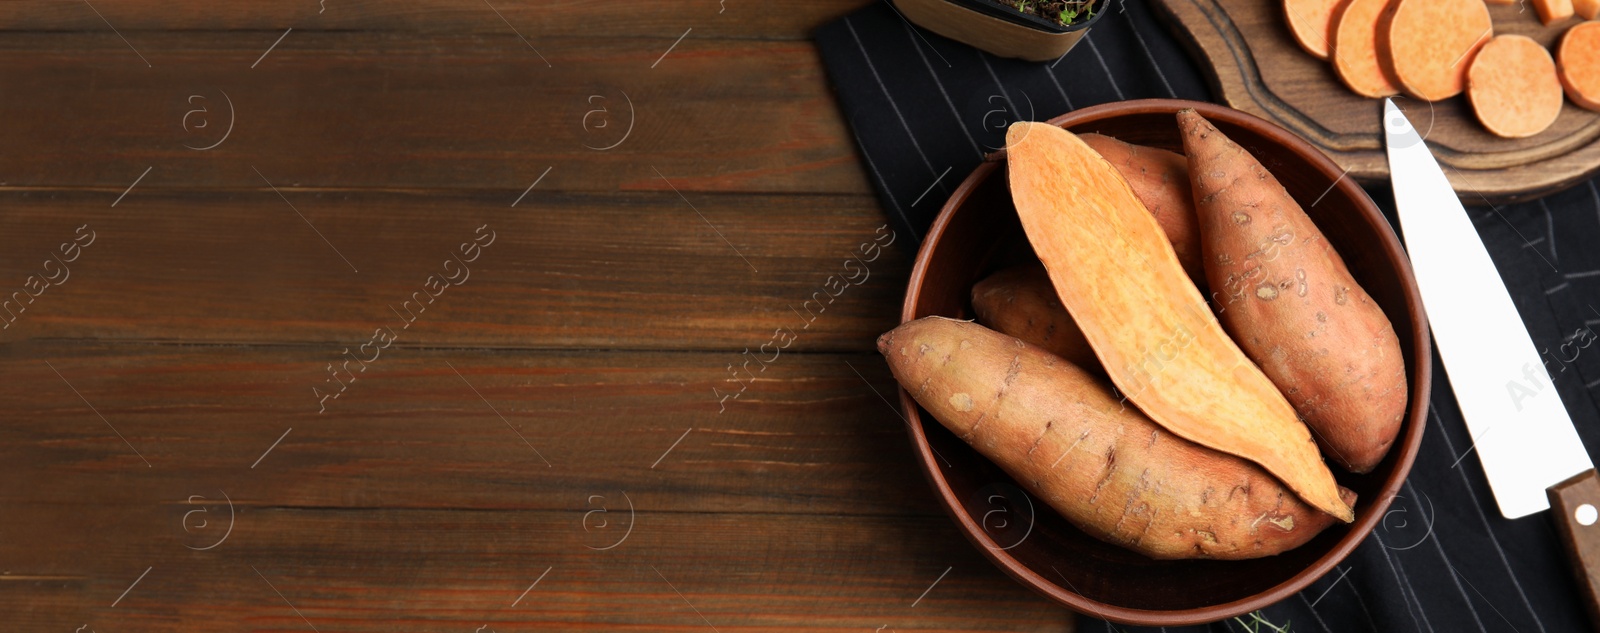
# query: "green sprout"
[[1065, 12]]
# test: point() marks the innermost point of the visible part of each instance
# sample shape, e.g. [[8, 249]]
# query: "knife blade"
[[1529, 449], [1521, 431]]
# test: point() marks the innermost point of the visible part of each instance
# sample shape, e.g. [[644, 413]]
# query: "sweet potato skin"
[[1290, 303], [1105, 467], [1020, 302], [1151, 328], [1160, 179]]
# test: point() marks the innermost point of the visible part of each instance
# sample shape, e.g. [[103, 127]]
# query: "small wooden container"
[[979, 23]]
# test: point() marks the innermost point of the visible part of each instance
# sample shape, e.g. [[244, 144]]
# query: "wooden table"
[[593, 209]]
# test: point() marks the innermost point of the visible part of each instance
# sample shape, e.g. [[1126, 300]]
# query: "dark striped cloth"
[[924, 109]]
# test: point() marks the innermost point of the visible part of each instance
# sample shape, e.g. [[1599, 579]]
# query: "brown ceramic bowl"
[[978, 233]]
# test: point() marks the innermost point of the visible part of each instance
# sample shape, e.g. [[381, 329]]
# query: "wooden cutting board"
[[1254, 65]]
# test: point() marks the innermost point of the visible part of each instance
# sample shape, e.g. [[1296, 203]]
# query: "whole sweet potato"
[[1160, 179], [1291, 305], [1104, 466], [1019, 301]]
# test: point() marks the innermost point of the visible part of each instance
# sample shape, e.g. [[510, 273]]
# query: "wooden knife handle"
[[1575, 506]]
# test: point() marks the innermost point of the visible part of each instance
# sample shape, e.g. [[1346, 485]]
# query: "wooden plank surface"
[[413, 111], [422, 428], [637, 270], [721, 19], [288, 569], [174, 324], [409, 506]]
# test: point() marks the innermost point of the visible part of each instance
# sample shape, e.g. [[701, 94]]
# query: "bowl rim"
[[1408, 444]]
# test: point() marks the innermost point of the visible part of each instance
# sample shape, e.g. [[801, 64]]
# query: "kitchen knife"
[[1529, 449]]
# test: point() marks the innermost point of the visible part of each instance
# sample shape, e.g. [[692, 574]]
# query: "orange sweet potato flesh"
[[1586, 9], [1552, 11], [1147, 322], [1428, 43], [1291, 304], [1107, 468], [1160, 179], [1513, 87], [1579, 61], [1020, 302], [1311, 23], [1355, 48]]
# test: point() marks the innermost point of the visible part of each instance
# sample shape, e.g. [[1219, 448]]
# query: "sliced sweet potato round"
[[1355, 48], [1578, 60], [1428, 44], [1311, 22], [1513, 87]]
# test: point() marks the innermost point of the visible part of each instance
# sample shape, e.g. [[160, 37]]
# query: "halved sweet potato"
[[1152, 330]]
